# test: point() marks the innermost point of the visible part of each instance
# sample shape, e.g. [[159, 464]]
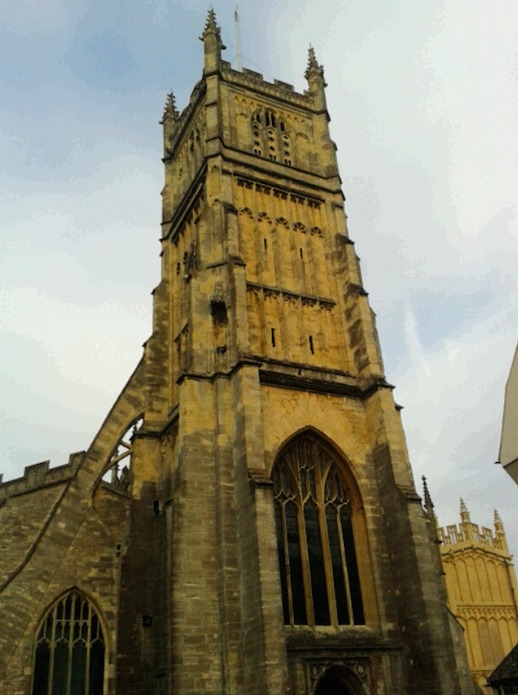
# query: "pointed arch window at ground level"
[[70, 649]]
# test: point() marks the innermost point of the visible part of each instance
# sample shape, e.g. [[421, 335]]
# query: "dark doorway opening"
[[338, 681]]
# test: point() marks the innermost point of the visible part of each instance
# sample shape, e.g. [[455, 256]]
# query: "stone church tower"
[[482, 590], [245, 521]]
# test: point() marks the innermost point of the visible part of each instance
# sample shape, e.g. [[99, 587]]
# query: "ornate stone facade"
[[482, 591], [246, 520]]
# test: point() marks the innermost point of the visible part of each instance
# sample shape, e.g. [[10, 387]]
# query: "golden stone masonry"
[[245, 522]]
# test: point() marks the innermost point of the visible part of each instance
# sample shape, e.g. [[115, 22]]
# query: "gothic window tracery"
[[118, 471], [317, 559], [270, 138], [70, 649]]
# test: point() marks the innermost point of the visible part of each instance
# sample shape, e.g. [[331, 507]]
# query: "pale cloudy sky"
[[424, 103]]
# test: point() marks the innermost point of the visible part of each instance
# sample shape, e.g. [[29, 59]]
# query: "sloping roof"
[[507, 669]]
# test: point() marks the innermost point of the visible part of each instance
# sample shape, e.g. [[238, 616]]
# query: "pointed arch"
[[315, 498], [339, 680], [70, 648], [118, 467]]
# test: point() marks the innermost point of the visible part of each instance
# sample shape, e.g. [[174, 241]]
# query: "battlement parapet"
[[175, 123], [40, 475], [472, 534], [255, 80]]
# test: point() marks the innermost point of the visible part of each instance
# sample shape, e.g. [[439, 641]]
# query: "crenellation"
[[39, 475], [471, 534], [249, 79], [284, 85], [249, 73], [36, 472]]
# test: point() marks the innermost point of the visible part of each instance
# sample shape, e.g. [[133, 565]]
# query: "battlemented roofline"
[[39, 475]]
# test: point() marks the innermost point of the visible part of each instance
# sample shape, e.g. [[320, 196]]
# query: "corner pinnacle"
[[499, 527], [314, 69], [428, 504], [171, 113], [211, 26], [464, 514]]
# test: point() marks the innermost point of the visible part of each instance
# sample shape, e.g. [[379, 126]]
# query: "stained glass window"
[[317, 559]]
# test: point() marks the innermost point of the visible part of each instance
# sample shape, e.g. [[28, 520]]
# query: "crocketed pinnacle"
[[464, 514], [499, 527], [171, 113], [429, 510], [313, 68], [428, 504], [211, 25]]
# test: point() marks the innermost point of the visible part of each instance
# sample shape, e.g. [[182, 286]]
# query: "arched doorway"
[[339, 680]]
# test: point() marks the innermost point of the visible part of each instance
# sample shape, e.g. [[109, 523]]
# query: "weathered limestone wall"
[[75, 530], [78, 549]]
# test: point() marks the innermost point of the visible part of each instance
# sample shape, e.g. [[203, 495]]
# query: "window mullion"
[[328, 564], [296, 459], [264, 141], [320, 479], [70, 647], [305, 565], [344, 566], [88, 649], [52, 648], [287, 565]]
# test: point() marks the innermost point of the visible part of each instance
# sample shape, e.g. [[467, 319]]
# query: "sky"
[[423, 99]]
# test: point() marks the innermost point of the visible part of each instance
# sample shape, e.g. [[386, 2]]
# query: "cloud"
[[423, 103], [452, 394], [29, 17]]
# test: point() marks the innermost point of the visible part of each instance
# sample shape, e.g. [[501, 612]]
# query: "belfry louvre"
[[245, 521]]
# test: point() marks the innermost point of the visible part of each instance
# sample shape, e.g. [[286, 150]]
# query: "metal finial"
[[239, 56]]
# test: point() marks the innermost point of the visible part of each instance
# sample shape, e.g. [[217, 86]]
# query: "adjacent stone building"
[[508, 455], [245, 521], [482, 591]]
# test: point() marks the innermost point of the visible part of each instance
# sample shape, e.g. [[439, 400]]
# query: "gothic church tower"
[[246, 520]]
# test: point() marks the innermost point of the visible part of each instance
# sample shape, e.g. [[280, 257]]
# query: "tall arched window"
[[317, 558], [270, 138], [69, 655]]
